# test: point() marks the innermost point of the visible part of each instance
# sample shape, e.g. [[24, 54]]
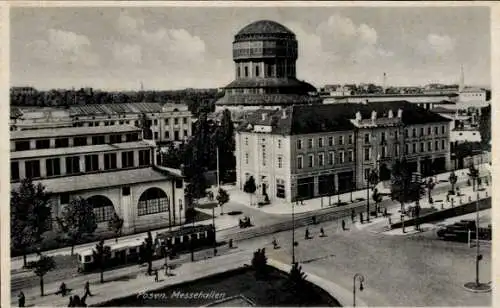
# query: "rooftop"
[[87, 149], [101, 180], [264, 27], [271, 83], [71, 131], [308, 119], [111, 109], [393, 95], [267, 99]]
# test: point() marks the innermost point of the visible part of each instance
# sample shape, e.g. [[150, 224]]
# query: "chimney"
[[264, 116], [390, 115], [374, 115], [400, 113]]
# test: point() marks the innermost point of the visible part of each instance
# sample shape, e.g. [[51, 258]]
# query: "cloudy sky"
[[178, 47]]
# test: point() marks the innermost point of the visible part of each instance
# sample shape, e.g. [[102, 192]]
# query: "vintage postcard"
[[248, 154]]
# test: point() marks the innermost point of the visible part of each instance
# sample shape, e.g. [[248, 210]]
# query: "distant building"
[[469, 94], [265, 55], [309, 151], [109, 166], [23, 91]]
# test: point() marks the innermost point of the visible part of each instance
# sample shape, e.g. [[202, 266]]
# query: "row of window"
[[422, 147], [25, 145], [424, 132], [91, 164], [129, 122], [330, 141], [340, 159]]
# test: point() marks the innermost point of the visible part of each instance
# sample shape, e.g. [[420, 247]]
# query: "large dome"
[[264, 27]]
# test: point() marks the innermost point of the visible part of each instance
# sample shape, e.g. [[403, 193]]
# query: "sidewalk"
[[315, 204]]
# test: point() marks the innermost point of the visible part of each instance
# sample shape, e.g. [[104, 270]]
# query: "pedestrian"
[[156, 275], [343, 225], [361, 217], [275, 243], [307, 234], [76, 301], [71, 304], [87, 289], [353, 215], [322, 232], [21, 299], [385, 212]]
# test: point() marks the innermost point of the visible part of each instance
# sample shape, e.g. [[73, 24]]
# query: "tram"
[[171, 242]]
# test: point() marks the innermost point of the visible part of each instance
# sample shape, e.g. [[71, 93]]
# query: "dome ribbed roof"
[[264, 27]]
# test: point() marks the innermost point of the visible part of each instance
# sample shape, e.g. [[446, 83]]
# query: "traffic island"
[[477, 287]]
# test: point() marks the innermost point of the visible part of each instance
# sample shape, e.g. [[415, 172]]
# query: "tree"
[[250, 187], [485, 125], [474, 176], [224, 139], [101, 254], [377, 198], [400, 183], [77, 220], [453, 181], [41, 267], [30, 213], [147, 251], [222, 198], [259, 263], [116, 225], [372, 181]]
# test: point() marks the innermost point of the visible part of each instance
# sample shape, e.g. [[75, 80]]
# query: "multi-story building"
[[110, 166], [309, 151], [168, 122]]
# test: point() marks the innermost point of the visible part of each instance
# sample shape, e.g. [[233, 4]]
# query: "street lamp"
[[213, 224], [360, 278], [293, 231]]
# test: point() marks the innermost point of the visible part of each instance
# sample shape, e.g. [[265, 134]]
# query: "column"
[[336, 182], [82, 163], [316, 186], [419, 170], [32, 144], [52, 143], [119, 160], [100, 161], [22, 169], [136, 158], [63, 165], [43, 168]]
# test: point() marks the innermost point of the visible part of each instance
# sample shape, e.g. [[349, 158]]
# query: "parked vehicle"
[[459, 231]]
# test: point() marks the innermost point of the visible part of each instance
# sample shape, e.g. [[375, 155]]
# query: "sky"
[[166, 48]]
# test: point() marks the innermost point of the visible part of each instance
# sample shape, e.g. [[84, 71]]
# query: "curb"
[[342, 295]]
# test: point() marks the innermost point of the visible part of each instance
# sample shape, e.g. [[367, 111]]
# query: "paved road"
[[412, 270]]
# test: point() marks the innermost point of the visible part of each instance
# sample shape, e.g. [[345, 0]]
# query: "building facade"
[[310, 151], [111, 167], [265, 55], [167, 122]]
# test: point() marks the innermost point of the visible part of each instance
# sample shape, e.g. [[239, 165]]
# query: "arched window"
[[257, 71], [246, 71], [239, 72], [103, 208], [152, 201]]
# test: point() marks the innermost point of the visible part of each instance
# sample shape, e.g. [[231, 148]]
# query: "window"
[[64, 198], [246, 71], [443, 145], [264, 155], [98, 140], [14, 170], [53, 166], [396, 135], [414, 148], [62, 142], [331, 158], [435, 130], [396, 150], [367, 154], [91, 163], [421, 131], [167, 134], [184, 120], [127, 159], [22, 145], [330, 141], [350, 156], [341, 157], [109, 161], [299, 144], [367, 138], [300, 162], [436, 145], [246, 158], [80, 141], [428, 130], [185, 132], [257, 71], [443, 129], [32, 168], [350, 139], [156, 136], [126, 191], [429, 146], [367, 173], [384, 151], [310, 143], [407, 148], [166, 122], [382, 137], [406, 133], [72, 165], [321, 159], [320, 142], [176, 135], [280, 162], [414, 132], [341, 140], [43, 144], [155, 122], [239, 71], [422, 149], [115, 139], [144, 157], [246, 140], [131, 137], [280, 188], [310, 160]]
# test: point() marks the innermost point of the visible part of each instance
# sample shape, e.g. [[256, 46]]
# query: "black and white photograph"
[[237, 154]]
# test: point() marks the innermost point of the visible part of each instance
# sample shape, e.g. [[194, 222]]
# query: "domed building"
[[265, 55]]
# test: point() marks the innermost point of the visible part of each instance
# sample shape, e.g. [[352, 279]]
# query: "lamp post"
[[360, 278], [213, 224], [293, 232]]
